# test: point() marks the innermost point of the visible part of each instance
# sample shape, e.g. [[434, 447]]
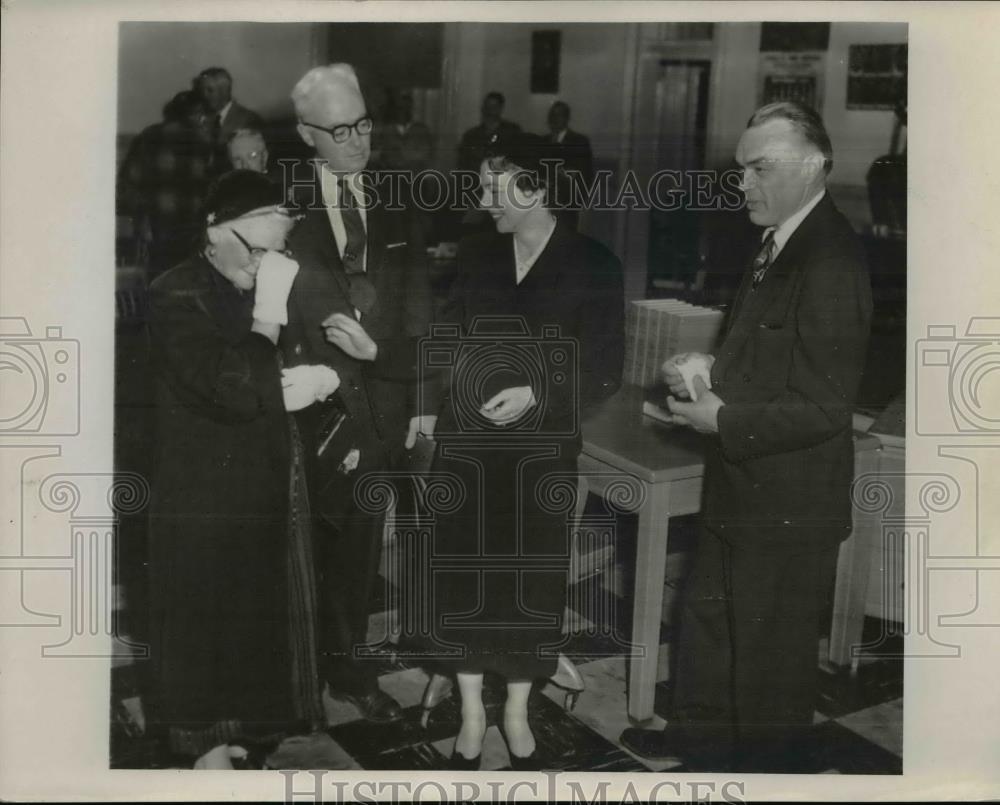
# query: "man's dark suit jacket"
[[379, 395], [238, 117], [477, 142], [788, 372], [574, 151]]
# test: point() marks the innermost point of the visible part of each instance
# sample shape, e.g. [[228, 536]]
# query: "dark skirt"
[[500, 561]]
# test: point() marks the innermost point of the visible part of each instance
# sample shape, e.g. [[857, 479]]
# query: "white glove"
[[274, 283], [301, 386]]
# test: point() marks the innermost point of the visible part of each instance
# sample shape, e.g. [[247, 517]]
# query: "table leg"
[[650, 571]]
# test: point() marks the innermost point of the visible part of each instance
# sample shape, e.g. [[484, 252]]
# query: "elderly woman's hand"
[[303, 385]]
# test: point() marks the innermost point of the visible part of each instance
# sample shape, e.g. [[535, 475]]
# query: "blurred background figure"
[[572, 149], [226, 116], [570, 146], [163, 179], [247, 150], [402, 143], [476, 144], [491, 130]]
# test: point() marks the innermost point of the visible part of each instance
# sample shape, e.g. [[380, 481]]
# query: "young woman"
[[551, 302]]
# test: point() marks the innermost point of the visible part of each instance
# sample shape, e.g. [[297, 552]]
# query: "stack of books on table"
[[655, 329]]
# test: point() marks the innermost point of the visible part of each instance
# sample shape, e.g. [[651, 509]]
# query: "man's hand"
[[702, 416], [274, 282], [420, 426], [674, 377], [301, 386], [508, 405], [348, 334]]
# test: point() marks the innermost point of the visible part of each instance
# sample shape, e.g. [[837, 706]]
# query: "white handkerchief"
[[691, 367]]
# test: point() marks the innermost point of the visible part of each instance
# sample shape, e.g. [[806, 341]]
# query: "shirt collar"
[[225, 111], [330, 183], [787, 229]]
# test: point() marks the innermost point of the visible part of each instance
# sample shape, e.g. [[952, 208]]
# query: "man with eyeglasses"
[[359, 304]]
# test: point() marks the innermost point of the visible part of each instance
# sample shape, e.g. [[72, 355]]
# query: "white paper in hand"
[[691, 367]]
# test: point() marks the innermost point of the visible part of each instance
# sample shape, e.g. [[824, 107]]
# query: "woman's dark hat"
[[522, 149], [236, 193]]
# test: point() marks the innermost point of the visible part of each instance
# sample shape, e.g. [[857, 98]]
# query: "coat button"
[[298, 349], [746, 378]]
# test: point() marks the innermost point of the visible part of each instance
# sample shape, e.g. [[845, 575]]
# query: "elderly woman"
[[230, 565], [507, 427]]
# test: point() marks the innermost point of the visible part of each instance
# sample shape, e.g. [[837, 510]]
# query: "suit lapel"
[[375, 226], [547, 270], [751, 304]]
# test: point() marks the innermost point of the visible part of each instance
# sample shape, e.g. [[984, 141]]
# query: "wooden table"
[[617, 440], [668, 462]]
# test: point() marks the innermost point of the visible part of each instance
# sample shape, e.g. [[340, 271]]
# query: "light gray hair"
[[330, 76]]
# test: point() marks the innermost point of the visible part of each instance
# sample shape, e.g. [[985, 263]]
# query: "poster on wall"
[[792, 77], [876, 76], [792, 62]]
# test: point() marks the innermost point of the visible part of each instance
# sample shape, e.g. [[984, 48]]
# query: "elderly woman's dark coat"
[[220, 512]]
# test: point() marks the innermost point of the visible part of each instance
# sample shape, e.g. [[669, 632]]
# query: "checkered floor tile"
[[858, 722]]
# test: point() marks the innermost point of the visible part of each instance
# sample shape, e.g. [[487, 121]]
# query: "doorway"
[[681, 114]]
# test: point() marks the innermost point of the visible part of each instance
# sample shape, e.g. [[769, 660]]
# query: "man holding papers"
[[777, 399]]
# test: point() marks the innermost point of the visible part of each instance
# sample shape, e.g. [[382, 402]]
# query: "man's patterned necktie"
[[762, 262], [362, 291]]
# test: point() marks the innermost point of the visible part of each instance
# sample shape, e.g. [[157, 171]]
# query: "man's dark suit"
[[238, 117], [574, 151], [577, 161], [777, 488], [379, 397]]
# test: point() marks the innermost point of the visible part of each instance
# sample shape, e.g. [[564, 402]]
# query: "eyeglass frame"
[[345, 127], [253, 250]]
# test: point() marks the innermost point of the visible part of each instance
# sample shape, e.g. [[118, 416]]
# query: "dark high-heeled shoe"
[[458, 762], [532, 762]]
